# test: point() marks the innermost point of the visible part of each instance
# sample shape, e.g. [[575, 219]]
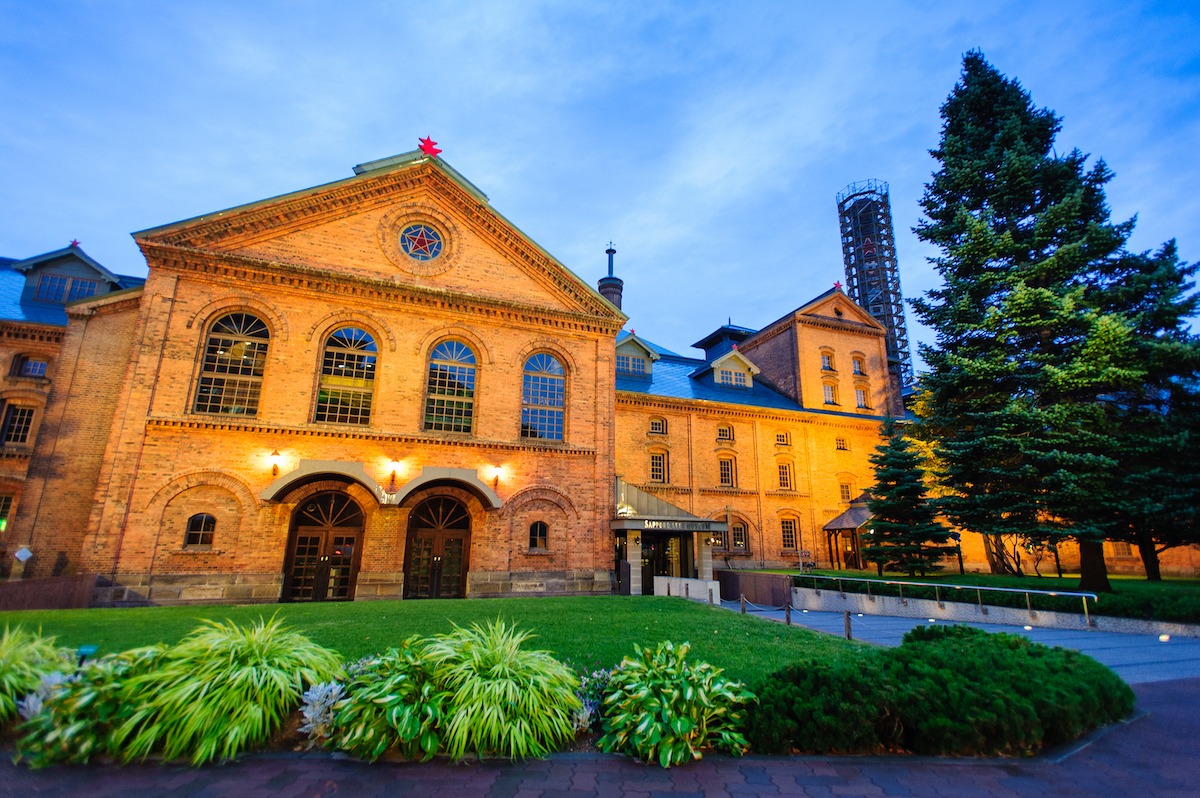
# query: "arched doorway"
[[439, 543], [323, 549]]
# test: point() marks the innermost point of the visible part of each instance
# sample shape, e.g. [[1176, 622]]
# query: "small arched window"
[[538, 535], [200, 529], [231, 374], [450, 389], [542, 398], [347, 378]]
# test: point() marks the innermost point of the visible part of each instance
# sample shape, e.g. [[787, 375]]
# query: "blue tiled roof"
[[670, 377], [12, 285]]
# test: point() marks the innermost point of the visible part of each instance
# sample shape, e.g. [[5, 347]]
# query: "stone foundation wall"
[[540, 583]]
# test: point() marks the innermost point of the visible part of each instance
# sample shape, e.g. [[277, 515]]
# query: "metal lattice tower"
[[872, 276]]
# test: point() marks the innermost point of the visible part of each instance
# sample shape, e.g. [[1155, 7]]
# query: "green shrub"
[[824, 707], [391, 701], [660, 708], [24, 657], [77, 716], [220, 690], [504, 699], [945, 690]]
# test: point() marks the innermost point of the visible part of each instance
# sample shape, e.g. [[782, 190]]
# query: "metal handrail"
[[937, 588]]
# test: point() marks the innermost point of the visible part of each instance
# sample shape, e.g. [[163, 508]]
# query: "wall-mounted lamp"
[[395, 466], [637, 540], [495, 471], [275, 462]]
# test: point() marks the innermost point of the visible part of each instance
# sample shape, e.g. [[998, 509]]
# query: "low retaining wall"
[[832, 601], [55, 593], [706, 590], [769, 590]]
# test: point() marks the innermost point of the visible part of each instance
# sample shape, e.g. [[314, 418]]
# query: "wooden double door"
[[324, 549], [438, 549]]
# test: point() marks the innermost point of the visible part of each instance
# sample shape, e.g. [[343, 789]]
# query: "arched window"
[[231, 374], [538, 535], [542, 396], [200, 530], [347, 377], [450, 390]]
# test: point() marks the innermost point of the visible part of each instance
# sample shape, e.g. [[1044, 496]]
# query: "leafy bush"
[[839, 707], [74, 719], [392, 701], [504, 699], [220, 690], [944, 690], [24, 657], [660, 708]]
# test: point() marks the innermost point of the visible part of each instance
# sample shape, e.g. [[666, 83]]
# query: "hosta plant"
[[663, 709], [24, 657], [220, 690], [392, 701], [505, 699], [72, 720]]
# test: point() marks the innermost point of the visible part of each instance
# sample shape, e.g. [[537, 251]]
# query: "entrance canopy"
[[856, 517], [641, 511]]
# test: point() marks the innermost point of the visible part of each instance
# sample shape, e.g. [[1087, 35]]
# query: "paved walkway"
[[1152, 756], [1136, 658]]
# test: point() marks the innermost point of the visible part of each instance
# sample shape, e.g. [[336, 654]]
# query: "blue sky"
[[707, 140]]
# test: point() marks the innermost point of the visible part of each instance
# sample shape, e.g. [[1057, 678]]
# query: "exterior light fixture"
[[1164, 638], [275, 456], [395, 466]]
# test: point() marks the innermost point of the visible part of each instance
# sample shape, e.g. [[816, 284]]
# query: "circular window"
[[421, 242]]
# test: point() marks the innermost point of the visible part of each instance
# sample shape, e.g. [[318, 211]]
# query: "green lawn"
[[587, 631]]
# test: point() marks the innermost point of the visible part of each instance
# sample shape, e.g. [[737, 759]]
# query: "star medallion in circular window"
[[421, 242], [418, 239]]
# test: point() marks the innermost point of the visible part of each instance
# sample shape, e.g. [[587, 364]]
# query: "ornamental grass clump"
[[660, 708], [505, 700], [222, 689], [74, 718], [24, 658], [392, 701]]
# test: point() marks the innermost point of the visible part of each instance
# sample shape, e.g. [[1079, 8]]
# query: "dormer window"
[[61, 289], [736, 379], [631, 365]]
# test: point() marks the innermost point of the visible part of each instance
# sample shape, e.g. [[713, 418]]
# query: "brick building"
[[379, 387]]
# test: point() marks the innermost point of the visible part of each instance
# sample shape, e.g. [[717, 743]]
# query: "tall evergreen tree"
[[905, 533], [1035, 334]]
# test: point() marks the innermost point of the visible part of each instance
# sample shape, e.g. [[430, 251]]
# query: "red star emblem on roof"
[[837, 284], [74, 242], [428, 146]]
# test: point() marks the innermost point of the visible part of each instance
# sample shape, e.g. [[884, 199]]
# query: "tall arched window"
[[231, 374], [450, 391], [542, 397], [347, 378]]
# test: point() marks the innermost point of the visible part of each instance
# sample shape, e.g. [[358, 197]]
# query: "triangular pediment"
[[411, 220], [631, 344], [835, 306]]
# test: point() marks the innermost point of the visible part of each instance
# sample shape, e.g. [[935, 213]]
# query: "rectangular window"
[[783, 439], [830, 394], [785, 476], [658, 426], [33, 368], [629, 364], [718, 540], [842, 445], [728, 377], [17, 423], [845, 490], [59, 289], [724, 433], [860, 397], [788, 527], [826, 362], [737, 531], [658, 467], [858, 366], [728, 469], [1121, 549]]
